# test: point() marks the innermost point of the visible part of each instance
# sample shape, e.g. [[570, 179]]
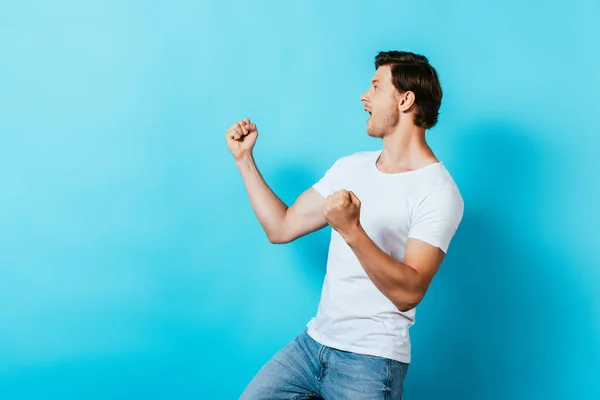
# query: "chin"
[[374, 134]]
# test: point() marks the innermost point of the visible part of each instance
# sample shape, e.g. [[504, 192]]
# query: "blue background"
[[132, 266]]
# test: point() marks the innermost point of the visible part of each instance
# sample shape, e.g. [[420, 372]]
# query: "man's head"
[[404, 86]]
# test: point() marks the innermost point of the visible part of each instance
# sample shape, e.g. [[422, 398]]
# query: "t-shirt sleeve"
[[437, 217], [329, 181]]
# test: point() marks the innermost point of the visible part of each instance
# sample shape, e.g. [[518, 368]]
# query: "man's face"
[[381, 102]]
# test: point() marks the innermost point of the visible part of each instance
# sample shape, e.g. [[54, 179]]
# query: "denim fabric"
[[305, 369]]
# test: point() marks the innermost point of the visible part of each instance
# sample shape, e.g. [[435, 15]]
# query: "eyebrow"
[[374, 80]]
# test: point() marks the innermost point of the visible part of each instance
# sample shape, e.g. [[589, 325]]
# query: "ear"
[[406, 101]]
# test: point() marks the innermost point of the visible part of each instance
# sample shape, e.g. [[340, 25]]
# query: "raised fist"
[[241, 138]]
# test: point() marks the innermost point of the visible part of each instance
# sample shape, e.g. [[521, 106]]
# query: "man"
[[392, 212]]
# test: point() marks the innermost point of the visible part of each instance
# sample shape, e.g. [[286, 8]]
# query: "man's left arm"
[[403, 282]]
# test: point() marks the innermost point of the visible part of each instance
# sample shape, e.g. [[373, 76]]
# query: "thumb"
[[353, 197]]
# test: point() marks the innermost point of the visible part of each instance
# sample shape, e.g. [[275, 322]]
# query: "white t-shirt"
[[353, 315]]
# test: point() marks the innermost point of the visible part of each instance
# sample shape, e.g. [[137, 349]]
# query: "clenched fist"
[[342, 212], [241, 137]]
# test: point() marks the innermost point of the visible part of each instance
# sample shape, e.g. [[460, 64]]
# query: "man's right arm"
[[281, 223]]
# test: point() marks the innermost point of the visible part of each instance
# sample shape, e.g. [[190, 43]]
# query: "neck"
[[405, 149]]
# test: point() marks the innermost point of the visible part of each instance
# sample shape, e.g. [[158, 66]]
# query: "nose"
[[363, 98]]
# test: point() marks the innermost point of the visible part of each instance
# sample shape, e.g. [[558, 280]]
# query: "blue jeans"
[[305, 369]]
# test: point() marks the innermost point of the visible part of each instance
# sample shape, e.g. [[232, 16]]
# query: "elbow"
[[407, 303], [405, 307], [278, 231], [277, 238]]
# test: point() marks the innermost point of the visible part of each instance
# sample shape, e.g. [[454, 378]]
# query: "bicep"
[[305, 215], [435, 223], [424, 258]]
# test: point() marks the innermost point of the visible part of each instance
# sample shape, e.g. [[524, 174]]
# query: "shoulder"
[[438, 188], [357, 158], [437, 178], [341, 168]]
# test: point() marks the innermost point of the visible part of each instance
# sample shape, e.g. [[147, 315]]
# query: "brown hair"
[[412, 72]]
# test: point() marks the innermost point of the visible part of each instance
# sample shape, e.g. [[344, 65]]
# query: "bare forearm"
[[269, 209], [396, 280]]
